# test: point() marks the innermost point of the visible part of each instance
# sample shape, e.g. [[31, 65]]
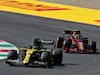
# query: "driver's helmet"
[[74, 32], [75, 35], [37, 43], [30, 46]]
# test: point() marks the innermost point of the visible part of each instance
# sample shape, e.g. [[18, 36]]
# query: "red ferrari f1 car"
[[75, 43]]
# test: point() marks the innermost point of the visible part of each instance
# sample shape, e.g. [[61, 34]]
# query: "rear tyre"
[[60, 42], [57, 56], [12, 54], [46, 58], [67, 44], [85, 40], [93, 46]]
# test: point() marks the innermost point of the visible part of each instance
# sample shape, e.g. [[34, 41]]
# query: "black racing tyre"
[[93, 46], [46, 57], [67, 43], [85, 45], [57, 56], [59, 43], [85, 40], [12, 54], [23, 54]]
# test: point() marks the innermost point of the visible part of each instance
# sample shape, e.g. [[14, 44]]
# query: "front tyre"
[[12, 54], [46, 58]]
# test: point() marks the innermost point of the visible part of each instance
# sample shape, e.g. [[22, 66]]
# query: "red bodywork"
[[79, 42]]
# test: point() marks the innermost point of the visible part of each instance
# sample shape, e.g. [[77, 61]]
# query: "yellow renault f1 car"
[[36, 55]]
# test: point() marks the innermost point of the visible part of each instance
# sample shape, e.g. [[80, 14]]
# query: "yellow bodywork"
[[29, 52]]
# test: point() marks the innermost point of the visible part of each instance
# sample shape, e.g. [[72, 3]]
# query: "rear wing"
[[70, 32]]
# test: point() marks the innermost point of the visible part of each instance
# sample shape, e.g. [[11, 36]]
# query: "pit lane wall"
[[52, 10], [4, 49]]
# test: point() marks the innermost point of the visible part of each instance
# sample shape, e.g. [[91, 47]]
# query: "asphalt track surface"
[[92, 4], [20, 30]]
